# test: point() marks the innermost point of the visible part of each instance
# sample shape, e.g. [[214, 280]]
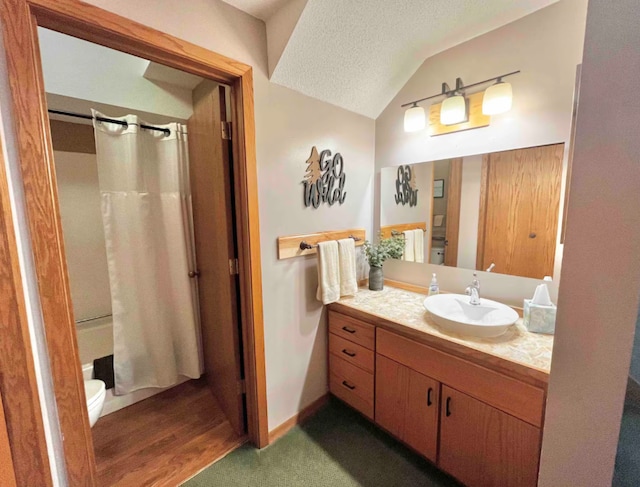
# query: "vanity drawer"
[[351, 384], [512, 396], [351, 352], [352, 329]]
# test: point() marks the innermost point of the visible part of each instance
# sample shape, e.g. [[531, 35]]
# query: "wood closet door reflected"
[[519, 209], [215, 239]]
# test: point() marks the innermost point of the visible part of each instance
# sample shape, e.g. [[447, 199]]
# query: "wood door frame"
[[452, 230], [482, 217], [20, 19]]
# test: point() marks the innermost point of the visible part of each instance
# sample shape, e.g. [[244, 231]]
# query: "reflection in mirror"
[[493, 212]]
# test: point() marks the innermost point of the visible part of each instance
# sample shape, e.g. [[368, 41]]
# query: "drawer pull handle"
[[348, 330], [347, 352], [448, 407], [347, 385], [429, 392]]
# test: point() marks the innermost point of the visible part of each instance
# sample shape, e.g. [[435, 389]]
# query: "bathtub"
[[95, 340]]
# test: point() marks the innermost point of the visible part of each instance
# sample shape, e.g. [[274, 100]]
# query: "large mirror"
[[493, 212]]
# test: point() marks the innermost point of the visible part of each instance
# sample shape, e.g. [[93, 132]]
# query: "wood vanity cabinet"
[[407, 405], [476, 423]]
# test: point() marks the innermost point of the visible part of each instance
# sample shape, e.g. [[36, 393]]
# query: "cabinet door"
[[421, 415], [407, 405], [392, 384], [482, 446]]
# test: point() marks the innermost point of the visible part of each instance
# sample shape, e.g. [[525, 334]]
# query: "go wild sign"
[[324, 179]]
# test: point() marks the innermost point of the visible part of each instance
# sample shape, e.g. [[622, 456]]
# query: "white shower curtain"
[[148, 225]]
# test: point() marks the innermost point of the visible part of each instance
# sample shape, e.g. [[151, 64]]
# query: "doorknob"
[[532, 235]]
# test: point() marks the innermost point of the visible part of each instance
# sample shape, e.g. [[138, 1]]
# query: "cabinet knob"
[[347, 352], [429, 392], [447, 409], [532, 235], [348, 330]]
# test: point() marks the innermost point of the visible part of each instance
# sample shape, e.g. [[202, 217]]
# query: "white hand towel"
[[328, 272], [409, 251], [347, 256], [418, 245]]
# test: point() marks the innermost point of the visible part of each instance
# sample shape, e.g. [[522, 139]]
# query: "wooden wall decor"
[[297, 245], [406, 191], [475, 120], [388, 230], [324, 179]]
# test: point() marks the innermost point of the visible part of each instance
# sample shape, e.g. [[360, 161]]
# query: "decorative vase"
[[376, 279]]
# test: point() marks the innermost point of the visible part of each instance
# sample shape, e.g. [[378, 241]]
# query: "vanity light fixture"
[[497, 98], [454, 110], [414, 119], [454, 107]]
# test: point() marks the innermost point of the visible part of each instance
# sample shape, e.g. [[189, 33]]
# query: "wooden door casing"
[[212, 196], [406, 405], [519, 209], [452, 230], [484, 447]]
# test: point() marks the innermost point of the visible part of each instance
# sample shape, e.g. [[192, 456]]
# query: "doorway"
[[36, 159]]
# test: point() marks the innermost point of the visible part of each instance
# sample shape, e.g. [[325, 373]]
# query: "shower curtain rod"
[[110, 120]]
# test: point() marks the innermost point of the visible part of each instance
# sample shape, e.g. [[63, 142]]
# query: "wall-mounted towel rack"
[[296, 245], [388, 230]]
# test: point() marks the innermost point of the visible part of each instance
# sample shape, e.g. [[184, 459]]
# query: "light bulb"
[[453, 110], [414, 119], [497, 99]]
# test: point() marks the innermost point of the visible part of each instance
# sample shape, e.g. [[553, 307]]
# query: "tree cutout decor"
[[406, 191], [324, 179]]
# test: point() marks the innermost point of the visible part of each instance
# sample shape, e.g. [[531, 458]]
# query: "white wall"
[[84, 245], [469, 211], [287, 125], [91, 72], [546, 46], [598, 302]]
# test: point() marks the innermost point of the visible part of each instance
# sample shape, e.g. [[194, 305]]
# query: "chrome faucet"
[[473, 290]]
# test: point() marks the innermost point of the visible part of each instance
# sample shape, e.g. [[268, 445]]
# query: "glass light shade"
[[414, 119], [497, 99], [453, 110]]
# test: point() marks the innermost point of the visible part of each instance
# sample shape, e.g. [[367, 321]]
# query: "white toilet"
[[95, 391]]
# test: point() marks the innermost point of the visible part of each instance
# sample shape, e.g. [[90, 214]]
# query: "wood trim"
[[454, 193], [298, 418], [385, 231], [93, 24], [21, 410], [250, 263], [7, 472], [73, 17], [482, 218], [289, 247]]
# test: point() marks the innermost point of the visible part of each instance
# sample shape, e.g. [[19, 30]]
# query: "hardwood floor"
[[163, 440]]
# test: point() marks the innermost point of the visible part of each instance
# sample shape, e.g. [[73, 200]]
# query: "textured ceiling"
[[358, 54], [261, 9]]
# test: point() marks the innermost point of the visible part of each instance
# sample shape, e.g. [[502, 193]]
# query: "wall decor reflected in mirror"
[[496, 211]]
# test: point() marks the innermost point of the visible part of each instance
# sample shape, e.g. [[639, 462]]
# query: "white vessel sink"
[[454, 313]]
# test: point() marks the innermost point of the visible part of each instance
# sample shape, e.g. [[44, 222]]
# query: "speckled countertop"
[[406, 308]]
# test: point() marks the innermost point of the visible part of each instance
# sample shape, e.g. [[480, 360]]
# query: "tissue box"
[[539, 318]]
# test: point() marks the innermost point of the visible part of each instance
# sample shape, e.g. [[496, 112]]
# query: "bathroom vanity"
[[472, 406]]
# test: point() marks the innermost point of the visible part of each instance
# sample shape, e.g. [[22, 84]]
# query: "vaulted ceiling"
[[358, 54]]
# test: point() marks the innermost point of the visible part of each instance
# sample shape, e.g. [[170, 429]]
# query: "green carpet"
[[337, 447]]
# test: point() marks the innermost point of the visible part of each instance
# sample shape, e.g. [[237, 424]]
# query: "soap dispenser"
[[434, 288]]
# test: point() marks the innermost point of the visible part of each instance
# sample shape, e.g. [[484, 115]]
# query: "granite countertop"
[[517, 345]]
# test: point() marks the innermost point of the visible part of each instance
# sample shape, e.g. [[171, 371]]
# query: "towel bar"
[[297, 245], [305, 246]]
